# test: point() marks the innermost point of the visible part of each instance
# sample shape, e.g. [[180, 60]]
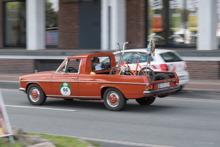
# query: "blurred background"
[[67, 27]]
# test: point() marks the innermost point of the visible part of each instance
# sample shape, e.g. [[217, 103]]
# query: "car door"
[[65, 81]]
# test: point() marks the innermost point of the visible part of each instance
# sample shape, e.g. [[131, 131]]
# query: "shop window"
[[157, 21], [52, 9], [14, 24], [183, 22]]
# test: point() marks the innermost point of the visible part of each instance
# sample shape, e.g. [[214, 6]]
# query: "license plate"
[[163, 85]]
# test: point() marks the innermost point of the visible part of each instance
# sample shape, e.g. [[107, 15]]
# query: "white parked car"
[[164, 60]]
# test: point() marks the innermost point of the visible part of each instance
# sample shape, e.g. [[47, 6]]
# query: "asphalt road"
[[185, 119]]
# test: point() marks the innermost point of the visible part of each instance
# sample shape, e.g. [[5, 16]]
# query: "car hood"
[[37, 76]]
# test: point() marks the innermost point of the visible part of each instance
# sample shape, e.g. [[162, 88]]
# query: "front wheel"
[[114, 100], [35, 95], [146, 71], [146, 101]]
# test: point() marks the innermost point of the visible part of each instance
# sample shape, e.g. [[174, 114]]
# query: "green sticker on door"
[[65, 89]]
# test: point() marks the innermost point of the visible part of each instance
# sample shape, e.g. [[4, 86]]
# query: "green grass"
[[4, 142], [59, 141], [93, 143]]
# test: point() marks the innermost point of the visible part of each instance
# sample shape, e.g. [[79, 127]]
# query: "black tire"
[[35, 95], [146, 101], [148, 71], [161, 76], [68, 99], [181, 87], [114, 100]]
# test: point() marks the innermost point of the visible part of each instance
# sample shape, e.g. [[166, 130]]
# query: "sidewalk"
[[203, 85], [193, 85]]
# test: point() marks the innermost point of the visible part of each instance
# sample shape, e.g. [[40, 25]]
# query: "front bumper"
[[164, 90], [22, 89]]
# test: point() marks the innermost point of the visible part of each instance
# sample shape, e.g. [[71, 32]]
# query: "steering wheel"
[[72, 69]]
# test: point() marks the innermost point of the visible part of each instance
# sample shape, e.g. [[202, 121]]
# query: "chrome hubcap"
[[113, 99], [34, 94]]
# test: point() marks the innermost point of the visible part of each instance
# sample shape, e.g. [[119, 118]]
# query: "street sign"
[[5, 127]]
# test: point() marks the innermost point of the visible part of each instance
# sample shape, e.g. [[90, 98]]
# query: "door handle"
[[75, 78]]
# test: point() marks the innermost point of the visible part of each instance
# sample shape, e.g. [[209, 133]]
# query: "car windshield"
[[171, 57]]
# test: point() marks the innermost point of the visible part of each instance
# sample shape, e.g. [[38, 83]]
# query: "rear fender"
[[106, 86]]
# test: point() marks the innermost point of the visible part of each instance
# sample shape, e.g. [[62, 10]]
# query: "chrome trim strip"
[[112, 82], [161, 90], [22, 89], [89, 82], [75, 96]]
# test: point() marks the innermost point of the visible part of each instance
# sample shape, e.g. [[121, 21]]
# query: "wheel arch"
[[28, 84], [105, 87]]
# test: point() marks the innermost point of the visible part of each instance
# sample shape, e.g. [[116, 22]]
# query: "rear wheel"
[[148, 72], [181, 87], [35, 95], [161, 76], [146, 101], [114, 100], [68, 99]]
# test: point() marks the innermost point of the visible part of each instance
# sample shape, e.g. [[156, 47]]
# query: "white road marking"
[[193, 100], [4, 81], [42, 108], [15, 90]]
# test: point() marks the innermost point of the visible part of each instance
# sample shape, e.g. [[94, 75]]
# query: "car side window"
[[143, 58], [127, 56], [62, 69], [73, 66], [101, 63]]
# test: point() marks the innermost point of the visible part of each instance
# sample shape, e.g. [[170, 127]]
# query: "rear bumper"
[[183, 78], [161, 90]]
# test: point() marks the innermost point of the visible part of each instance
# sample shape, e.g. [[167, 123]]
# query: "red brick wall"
[[204, 70], [68, 25], [12, 66], [1, 21], [135, 20]]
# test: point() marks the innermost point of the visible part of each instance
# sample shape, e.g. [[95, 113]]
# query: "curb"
[[201, 90], [3, 81]]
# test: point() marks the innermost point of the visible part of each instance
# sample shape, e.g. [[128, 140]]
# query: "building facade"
[[99, 24]]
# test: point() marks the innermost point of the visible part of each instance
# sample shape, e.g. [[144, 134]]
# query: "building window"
[[157, 21], [15, 24], [52, 9], [173, 22]]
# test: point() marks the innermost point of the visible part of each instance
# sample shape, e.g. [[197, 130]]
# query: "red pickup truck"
[[87, 77]]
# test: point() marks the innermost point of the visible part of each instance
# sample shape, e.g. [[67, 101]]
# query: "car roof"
[[145, 49], [91, 55]]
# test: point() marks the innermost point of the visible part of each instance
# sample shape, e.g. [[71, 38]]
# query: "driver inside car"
[[96, 62]]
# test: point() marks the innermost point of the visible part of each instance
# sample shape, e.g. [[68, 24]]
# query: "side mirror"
[[63, 71]]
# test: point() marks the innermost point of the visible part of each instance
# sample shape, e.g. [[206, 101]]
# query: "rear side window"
[[101, 63], [133, 57], [170, 57], [143, 57]]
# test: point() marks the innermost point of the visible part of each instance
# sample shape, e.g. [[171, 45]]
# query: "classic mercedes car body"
[[76, 78]]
